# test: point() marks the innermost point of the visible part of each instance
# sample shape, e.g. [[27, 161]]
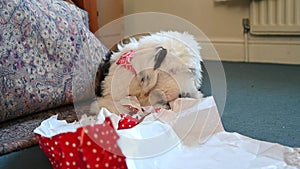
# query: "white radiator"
[[275, 17]]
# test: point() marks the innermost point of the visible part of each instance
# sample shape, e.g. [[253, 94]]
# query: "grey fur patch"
[[160, 57]]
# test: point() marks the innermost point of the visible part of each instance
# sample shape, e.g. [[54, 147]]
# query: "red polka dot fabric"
[[127, 122], [92, 146]]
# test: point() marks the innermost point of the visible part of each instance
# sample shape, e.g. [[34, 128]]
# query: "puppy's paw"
[[94, 108], [162, 105], [184, 95], [195, 95]]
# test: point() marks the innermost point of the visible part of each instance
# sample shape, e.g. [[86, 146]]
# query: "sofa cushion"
[[42, 42]]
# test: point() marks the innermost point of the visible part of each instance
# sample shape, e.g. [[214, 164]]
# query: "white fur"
[[182, 65]]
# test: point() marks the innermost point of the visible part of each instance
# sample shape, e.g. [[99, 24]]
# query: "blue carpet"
[[263, 101]]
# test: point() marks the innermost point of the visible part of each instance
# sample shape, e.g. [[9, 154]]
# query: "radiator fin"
[[275, 17]]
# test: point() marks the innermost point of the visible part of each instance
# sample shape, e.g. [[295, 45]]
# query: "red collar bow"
[[125, 61]]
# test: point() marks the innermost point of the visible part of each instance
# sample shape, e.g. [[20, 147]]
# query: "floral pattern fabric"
[[43, 46]]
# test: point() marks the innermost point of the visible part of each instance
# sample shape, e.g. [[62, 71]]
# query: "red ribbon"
[[125, 61]]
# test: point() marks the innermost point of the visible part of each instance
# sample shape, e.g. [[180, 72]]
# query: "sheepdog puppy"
[[151, 71]]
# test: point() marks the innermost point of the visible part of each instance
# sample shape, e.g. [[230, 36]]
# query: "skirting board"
[[274, 53], [282, 52]]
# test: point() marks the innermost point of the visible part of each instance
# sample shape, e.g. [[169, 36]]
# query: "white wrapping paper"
[[191, 136], [52, 126], [223, 150]]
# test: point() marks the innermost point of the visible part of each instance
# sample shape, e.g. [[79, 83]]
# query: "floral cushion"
[[42, 45]]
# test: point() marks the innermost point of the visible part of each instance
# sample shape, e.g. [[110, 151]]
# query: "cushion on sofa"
[[43, 46]]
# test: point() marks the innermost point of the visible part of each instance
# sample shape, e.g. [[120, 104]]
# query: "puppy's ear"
[[148, 79], [159, 57]]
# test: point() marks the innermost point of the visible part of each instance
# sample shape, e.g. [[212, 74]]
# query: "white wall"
[[222, 23]]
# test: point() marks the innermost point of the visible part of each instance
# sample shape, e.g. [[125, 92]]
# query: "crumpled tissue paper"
[[190, 135]]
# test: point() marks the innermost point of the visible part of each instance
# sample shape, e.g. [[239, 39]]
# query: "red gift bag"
[[92, 146]]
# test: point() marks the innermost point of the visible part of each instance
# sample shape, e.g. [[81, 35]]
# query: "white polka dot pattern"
[[93, 146]]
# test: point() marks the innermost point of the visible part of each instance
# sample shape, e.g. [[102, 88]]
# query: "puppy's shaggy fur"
[[167, 66], [163, 90]]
